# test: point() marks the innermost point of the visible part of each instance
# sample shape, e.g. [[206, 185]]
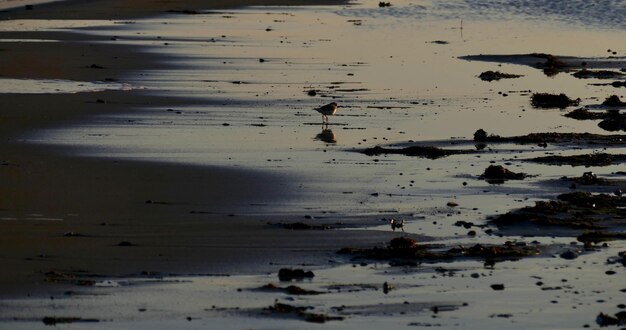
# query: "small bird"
[[327, 110], [396, 224]]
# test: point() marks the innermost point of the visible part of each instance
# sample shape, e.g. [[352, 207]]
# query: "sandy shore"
[[66, 213]]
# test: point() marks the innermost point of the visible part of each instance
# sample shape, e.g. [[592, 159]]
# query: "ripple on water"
[[606, 14]]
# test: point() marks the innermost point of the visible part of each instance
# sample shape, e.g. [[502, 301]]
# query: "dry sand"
[[66, 213]]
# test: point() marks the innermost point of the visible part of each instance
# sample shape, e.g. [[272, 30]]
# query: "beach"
[[162, 161]]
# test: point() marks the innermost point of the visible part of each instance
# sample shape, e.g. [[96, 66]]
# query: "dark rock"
[[312, 92], [497, 287], [384, 4], [545, 100], [613, 101], [288, 274], [95, 66], [125, 243], [498, 174], [480, 135], [569, 255], [464, 224]]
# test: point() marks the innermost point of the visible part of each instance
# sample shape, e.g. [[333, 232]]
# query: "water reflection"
[[326, 135]]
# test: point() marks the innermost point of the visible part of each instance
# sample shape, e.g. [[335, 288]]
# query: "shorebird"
[[327, 110], [396, 224]]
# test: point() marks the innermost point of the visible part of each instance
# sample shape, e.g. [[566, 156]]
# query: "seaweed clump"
[[588, 179], [302, 313], [417, 151], [547, 100], [552, 137], [613, 101], [576, 210], [552, 66], [595, 159], [496, 75]]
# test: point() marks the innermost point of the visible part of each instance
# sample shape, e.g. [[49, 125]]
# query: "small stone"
[[497, 287], [569, 255]]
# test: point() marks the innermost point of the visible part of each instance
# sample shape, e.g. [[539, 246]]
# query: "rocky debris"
[[496, 75], [498, 174], [587, 160], [597, 74], [569, 255], [613, 101], [302, 313], [288, 274], [605, 320], [416, 151], [292, 289], [546, 100]]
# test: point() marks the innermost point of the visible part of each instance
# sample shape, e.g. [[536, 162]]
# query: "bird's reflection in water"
[[326, 135]]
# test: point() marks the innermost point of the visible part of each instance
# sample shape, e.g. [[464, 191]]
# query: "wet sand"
[[66, 213], [91, 219]]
